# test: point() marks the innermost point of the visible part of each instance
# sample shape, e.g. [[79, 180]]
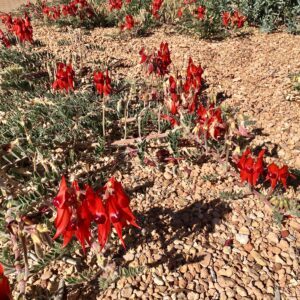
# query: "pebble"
[[224, 282], [126, 292], [241, 291], [295, 225], [206, 260], [273, 238], [244, 230], [242, 238], [157, 280], [258, 258]]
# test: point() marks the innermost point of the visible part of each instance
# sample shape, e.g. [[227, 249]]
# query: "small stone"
[[157, 280], [168, 176], [126, 292], [46, 275], [258, 258], [273, 238], [248, 247], [226, 282], [284, 233], [226, 272], [283, 245], [244, 230], [128, 256], [193, 296], [242, 238], [295, 225], [206, 260], [204, 273], [227, 250], [241, 291]]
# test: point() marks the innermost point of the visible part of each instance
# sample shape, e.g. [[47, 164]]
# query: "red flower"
[[115, 4], [201, 12], [129, 23], [171, 120], [238, 20], [250, 170], [117, 207], [159, 62], [4, 39], [73, 216], [5, 293], [156, 4], [193, 78], [53, 12], [102, 83], [179, 12], [276, 174], [64, 77], [226, 18], [210, 121], [7, 21], [22, 29]]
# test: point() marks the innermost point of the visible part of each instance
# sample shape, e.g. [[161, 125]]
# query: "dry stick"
[[103, 117]]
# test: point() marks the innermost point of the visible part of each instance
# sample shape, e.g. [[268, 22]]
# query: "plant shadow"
[[164, 226]]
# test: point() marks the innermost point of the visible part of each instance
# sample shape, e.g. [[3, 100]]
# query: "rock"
[[227, 250], [226, 272], [225, 282], [126, 292], [244, 230], [258, 258], [273, 238], [283, 245], [46, 275], [285, 234], [242, 238], [248, 247], [128, 256], [204, 273], [157, 280], [168, 176], [295, 225], [241, 291], [193, 296], [206, 260]]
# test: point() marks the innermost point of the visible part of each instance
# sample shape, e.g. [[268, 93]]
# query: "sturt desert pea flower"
[[73, 215], [159, 62], [250, 169], [22, 29], [226, 18], [201, 12], [4, 39], [210, 121], [276, 174], [52, 12], [156, 5], [117, 207], [129, 23], [193, 78], [173, 121], [5, 292], [173, 103], [99, 214], [64, 77], [115, 4], [7, 21], [237, 19], [102, 83], [179, 12]]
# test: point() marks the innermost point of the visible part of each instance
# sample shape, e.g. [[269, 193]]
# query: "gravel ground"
[[194, 243]]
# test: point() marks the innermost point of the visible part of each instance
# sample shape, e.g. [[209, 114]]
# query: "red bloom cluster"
[[156, 5], [276, 174], [77, 209], [102, 83], [159, 62], [235, 19], [201, 12], [64, 77], [250, 169], [193, 80], [115, 4], [52, 12], [21, 28], [210, 121], [4, 39], [129, 23], [5, 293], [79, 8]]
